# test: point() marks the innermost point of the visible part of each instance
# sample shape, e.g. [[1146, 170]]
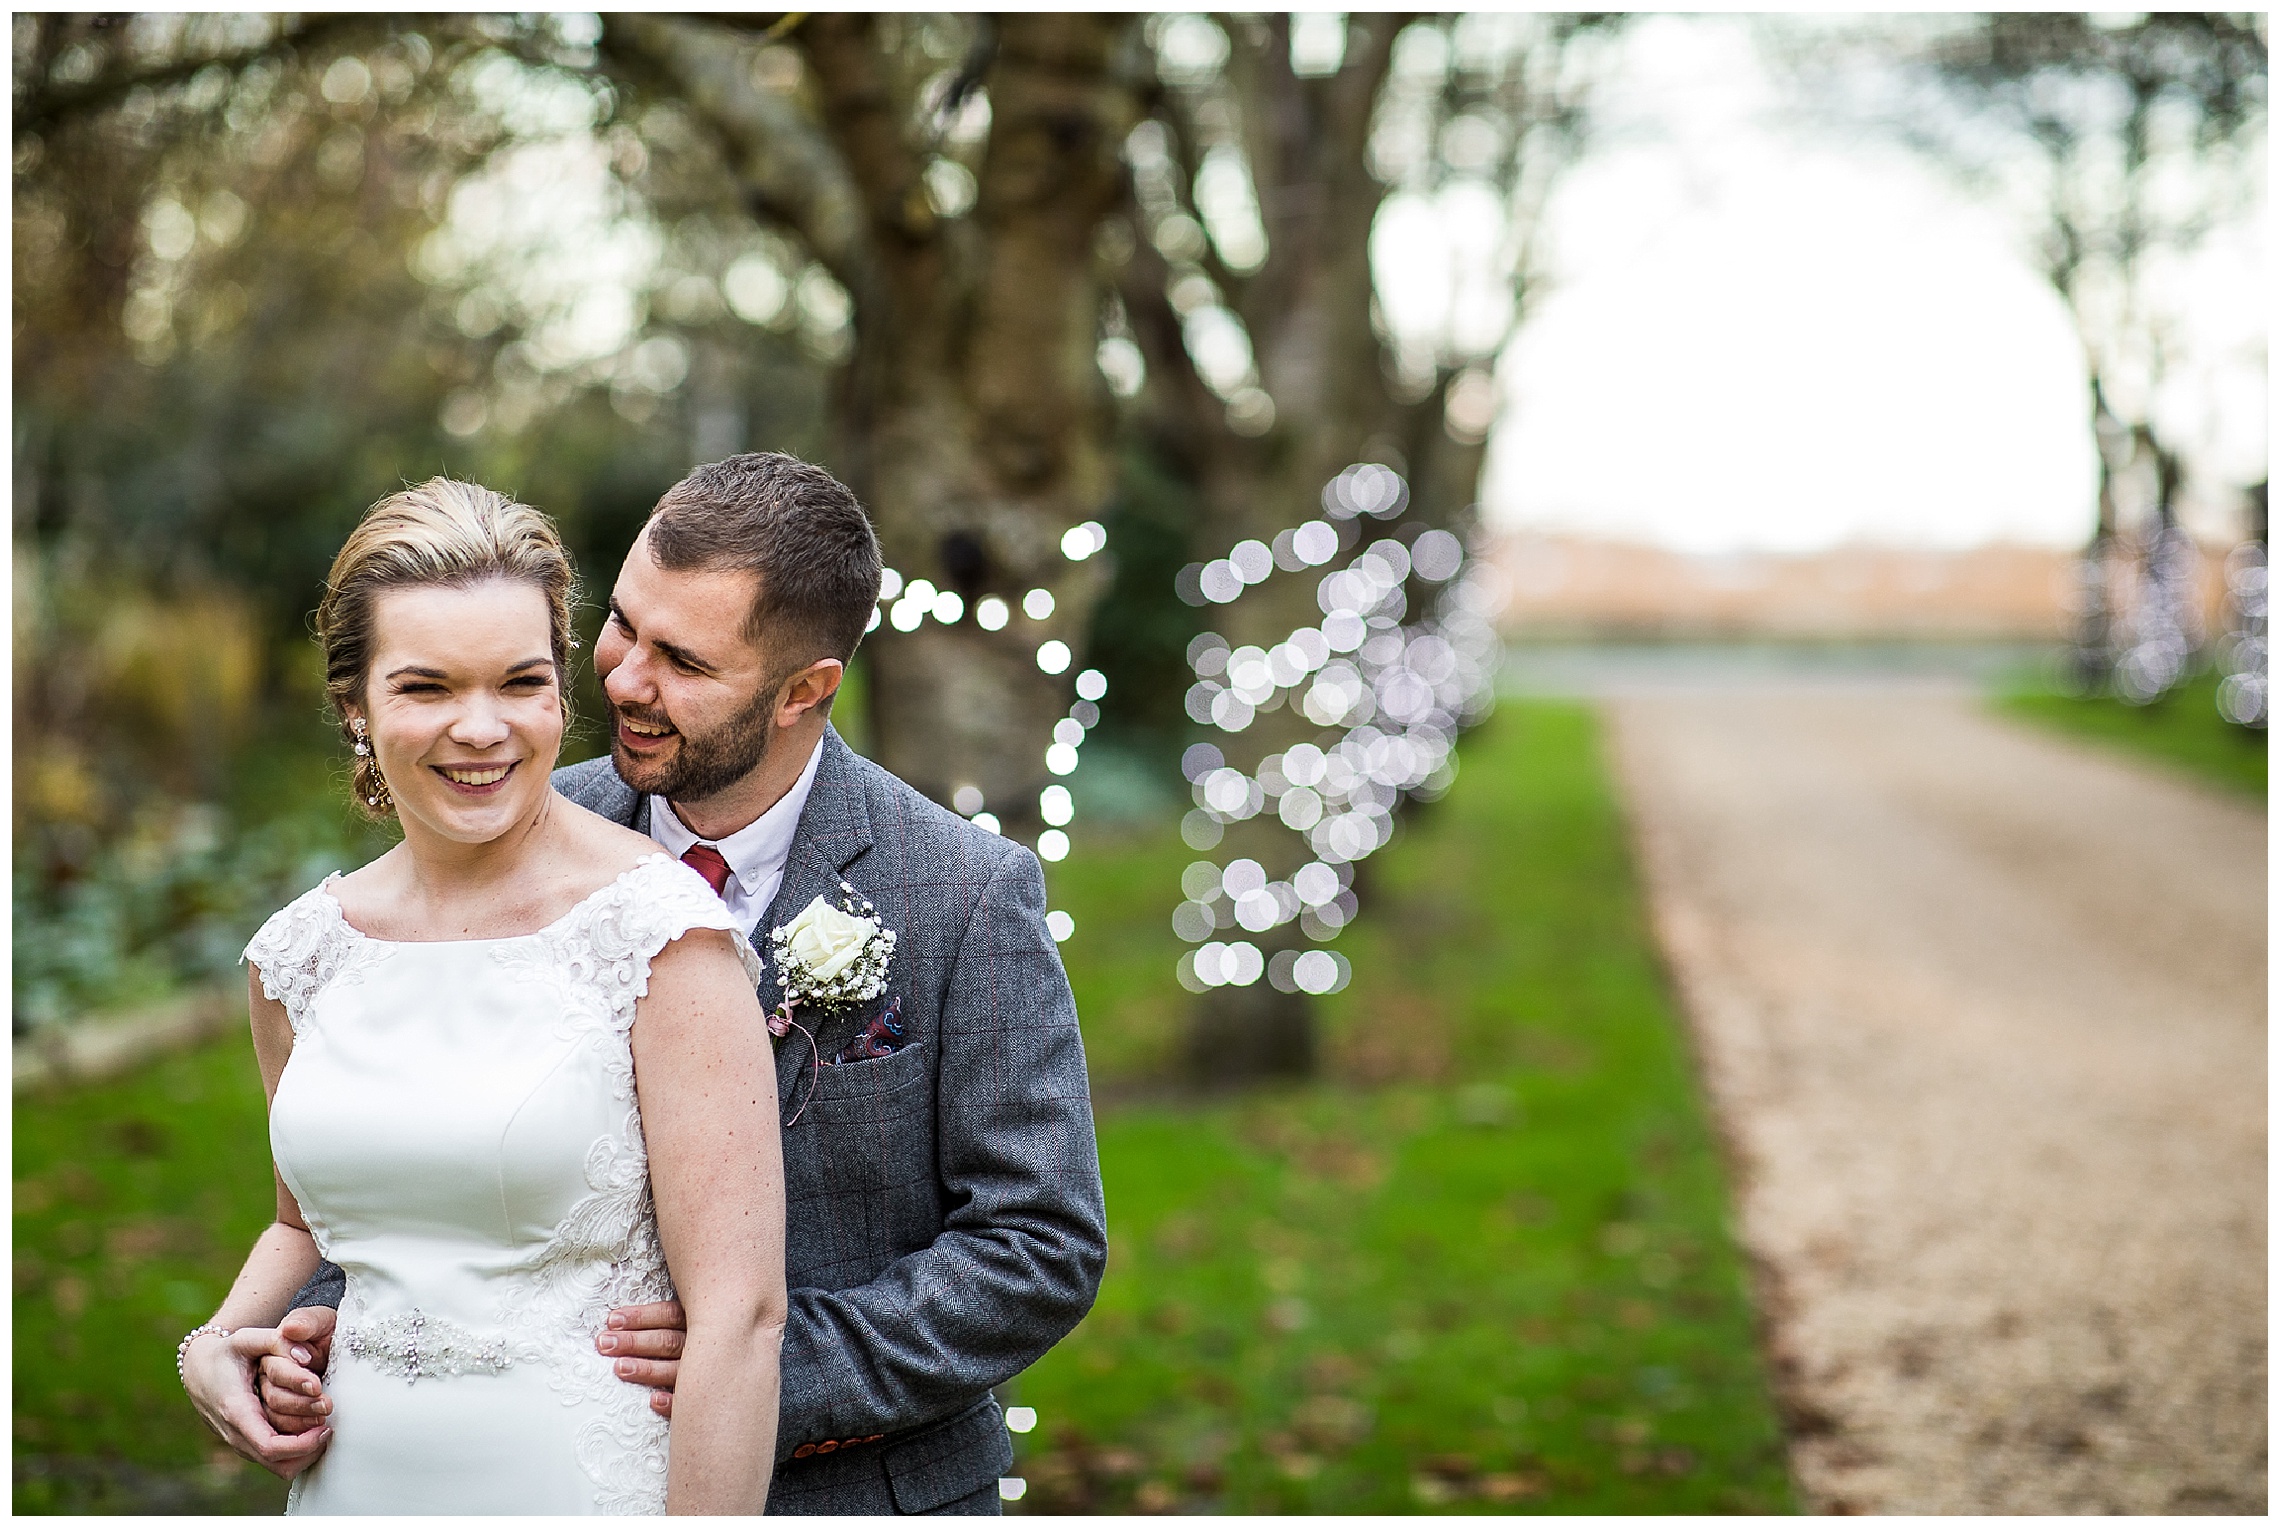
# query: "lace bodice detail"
[[303, 946], [609, 939], [478, 1096], [308, 943]]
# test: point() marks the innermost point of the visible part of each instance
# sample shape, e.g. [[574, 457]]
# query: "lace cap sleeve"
[[299, 949], [649, 907]]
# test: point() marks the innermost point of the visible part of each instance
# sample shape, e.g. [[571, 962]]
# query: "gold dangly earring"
[[373, 786]]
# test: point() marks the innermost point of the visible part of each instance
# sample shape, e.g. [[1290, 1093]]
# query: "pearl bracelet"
[[182, 1348]]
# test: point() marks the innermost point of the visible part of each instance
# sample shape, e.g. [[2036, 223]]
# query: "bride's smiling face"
[[463, 706]]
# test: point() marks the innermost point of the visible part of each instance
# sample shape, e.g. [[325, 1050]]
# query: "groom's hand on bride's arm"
[[643, 1343], [292, 1383]]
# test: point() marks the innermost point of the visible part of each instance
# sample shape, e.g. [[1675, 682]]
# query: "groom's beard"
[[704, 764]]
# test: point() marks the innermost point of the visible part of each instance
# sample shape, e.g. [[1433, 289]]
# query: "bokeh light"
[[1390, 683]]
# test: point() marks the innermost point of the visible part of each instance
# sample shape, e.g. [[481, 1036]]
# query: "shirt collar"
[[757, 849]]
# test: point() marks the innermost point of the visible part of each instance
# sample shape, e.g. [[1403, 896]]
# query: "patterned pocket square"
[[883, 1036]]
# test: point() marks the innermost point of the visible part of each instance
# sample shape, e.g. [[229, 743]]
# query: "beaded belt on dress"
[[413, 1345]]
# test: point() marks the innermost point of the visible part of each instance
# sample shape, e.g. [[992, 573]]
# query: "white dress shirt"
[[755, 852]]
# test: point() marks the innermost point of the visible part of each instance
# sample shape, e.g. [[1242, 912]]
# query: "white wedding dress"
[[459, 1125]]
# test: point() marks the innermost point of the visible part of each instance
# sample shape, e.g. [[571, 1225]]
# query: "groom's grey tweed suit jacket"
[[943, 1204]]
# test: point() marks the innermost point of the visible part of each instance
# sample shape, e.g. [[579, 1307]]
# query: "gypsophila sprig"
[[832, 957]]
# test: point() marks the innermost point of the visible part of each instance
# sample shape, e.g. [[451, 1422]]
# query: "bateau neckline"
[[340, 914]]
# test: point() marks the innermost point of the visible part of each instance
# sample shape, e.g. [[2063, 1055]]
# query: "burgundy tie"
[[705, 860]]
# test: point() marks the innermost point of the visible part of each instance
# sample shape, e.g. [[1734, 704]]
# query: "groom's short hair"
[[795, 525]]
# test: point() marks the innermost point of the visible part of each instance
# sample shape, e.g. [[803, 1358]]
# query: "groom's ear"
[[809, 690]]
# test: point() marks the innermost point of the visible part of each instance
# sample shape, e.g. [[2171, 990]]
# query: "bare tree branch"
[[972, 71], [788, 173], [1306, 141], [1353, 90], [760, 26], [1179, 410], [1175, 109], [1060, 112], [865, 119], [46, 106]]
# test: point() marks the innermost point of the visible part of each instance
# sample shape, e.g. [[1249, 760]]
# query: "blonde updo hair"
[[442, 532]]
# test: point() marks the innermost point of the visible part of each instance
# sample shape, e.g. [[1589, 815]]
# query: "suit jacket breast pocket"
[[859, 1169], [866, 1092]]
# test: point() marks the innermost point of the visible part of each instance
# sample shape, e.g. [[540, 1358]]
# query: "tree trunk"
[[2090, 666], [971, 418], [975, 420], [1327, 362], [1309, 312]]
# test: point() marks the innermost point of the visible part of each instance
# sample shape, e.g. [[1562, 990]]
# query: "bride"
[[517, 1076]]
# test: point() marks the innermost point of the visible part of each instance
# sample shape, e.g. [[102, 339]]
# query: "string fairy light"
[[905, 605], [2243, 694], [1389, 690]]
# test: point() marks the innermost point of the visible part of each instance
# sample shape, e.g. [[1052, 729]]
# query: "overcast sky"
[[1761, 340]]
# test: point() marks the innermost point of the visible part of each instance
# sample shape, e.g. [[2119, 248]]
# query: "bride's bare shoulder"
[[600, 845], [372, 887]]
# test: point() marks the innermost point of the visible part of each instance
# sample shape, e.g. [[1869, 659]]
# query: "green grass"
[[1481, 1265], [135, 1203], [2181, 730]]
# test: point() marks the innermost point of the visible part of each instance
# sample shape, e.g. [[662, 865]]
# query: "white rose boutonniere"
[[828, 958], [823, 942]]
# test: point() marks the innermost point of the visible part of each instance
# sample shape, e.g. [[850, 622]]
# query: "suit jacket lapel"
[[607, 793], [834, 830]]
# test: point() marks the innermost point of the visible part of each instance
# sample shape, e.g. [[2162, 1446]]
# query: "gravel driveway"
[[1983, 1015]]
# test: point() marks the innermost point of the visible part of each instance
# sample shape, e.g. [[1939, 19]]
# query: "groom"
[[943, 1202]]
